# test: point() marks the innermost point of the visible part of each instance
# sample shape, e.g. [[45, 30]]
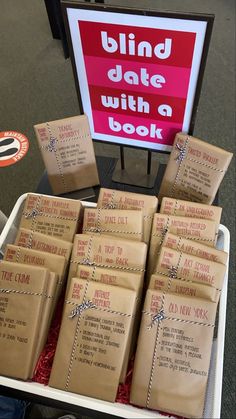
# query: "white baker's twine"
[[159, 317], [88, 262], [51, 147], [9, 291], [179, 159], [182, 156], [13, 291], [107, 230], [78, 310]]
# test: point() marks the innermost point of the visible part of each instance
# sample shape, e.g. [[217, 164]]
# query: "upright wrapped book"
[[173, 354], [107, 252], [110, 222], [113, 199], [68, 153], [23, 295], [53, 216], [93, 338], [182, 208], [195, 170]]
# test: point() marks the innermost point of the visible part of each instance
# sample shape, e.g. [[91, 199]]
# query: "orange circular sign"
[[13, 147]]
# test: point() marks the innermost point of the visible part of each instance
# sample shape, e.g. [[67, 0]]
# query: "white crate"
[[214, 388]]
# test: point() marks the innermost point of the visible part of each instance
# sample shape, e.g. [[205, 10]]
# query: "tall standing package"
[[182, 208], [195, 170], [111, 198], [117, 223], [67, 150], [53, 216], [173, 354], [93, 338], [23, 291]]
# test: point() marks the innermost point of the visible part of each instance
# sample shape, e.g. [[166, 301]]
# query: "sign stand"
[[136, 172], [138, 76]]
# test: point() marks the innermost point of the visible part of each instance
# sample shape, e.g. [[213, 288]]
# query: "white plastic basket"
[[214, 388]]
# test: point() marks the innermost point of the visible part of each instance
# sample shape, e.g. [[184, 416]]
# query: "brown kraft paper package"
[[114, 199], [182, 208], [107, 252], [93, 338], [129, 280], [203, 231], [23, 255], [118, 223], [22, 298], [195, 248], [67, 150], [195, 170], [172, 374], [183, 266], [177, 286], [57, 217], [38, 241]]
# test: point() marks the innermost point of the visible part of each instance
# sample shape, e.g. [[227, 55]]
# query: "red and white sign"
[[137, 74], [13, 147]]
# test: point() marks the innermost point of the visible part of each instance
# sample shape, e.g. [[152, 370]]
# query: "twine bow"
[[52, 144], [86, 261], [78, 310], [33, 213], [157, 318], [163, 232], [182, 152], [110, 205], [172, 272]]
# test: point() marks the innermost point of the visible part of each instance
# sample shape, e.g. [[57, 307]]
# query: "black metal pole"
[[122, 158], [149, 162]]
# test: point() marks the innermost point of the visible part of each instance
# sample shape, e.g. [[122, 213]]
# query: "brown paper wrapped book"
[[195, 170], [173, 354], [111, 198], [38, 241], [107, 252], [67, 150], [117, 223], [93, 338], [57, 217], [183, 266], [22, 296], [195, 248], [182, 208], [53, 263], [128, 280], [202, 231], [187, 288]]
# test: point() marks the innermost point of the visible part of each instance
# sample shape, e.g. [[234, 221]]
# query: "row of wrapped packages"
[[139, 290]]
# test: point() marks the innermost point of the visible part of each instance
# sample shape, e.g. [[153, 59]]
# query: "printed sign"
[[13, 147], [137, 74]]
